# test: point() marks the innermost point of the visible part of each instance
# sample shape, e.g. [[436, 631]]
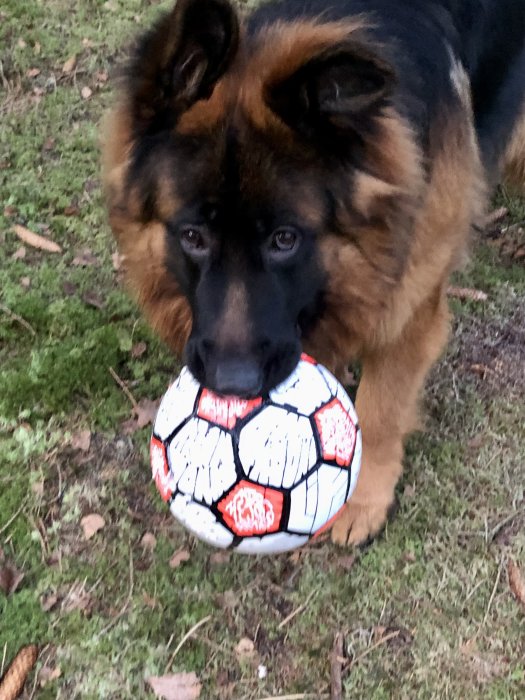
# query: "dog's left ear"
[[336, 90]]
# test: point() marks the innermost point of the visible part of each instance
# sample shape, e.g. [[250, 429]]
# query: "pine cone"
[[15, 677]]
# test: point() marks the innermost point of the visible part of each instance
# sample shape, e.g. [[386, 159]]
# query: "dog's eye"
[[284, 241], [193, 241]]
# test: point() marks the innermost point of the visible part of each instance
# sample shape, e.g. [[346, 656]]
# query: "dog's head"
[[250, 189]]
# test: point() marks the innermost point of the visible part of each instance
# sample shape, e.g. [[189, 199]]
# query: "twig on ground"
[[298, 610], [336, 668], [19, 319], [493, 594], [497, 528], [380, 642], [188, 634], [124, 388], [12, 518]]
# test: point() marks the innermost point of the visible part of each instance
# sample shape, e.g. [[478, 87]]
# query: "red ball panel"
[[225, 410], [160, 468], [250, 509], [337, 433]]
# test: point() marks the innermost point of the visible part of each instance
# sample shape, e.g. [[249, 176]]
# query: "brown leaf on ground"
[[86, 92], [25, 282], [144, 414], [85, 259], [48, 675], [245, 650], [138, 349], [19, 253], [175, 686], [77, 599], [91, 524], [72, 210], [35, 240], [69, 65], [516, 582], [466, 293], [149, 600], [179, 558], [49, 144], [346, 562], [10, 578], [81, 440], [220, 558], [48, 602], [148, 541], [92, 298], [32, 72], [10, 211]]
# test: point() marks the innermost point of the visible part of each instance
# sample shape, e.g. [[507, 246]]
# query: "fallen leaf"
[[37, 48], [35, 240], [10, 211], [10, 578], [38, 488], [77, 599], [175, 686], [49, 144], [69, 65], [72, 210], [48, 675], [245, 649], [32, 72], [85, 259], [81, 440], [138, 349], [466, 293], [148, 541], [178, 558], [69, 288], [91, 524], [409, 491], [25, 282], [149, 601], [86, 92], [346, 562], [144, 414], [516, 582], [92, 298], [101, 77], [48, 602], [220, 558], [21, 43]]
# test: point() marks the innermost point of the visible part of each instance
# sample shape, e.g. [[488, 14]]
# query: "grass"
[[432, 594]]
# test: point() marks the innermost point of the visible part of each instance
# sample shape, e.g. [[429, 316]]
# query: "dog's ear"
[[335, 90], [180, 60]]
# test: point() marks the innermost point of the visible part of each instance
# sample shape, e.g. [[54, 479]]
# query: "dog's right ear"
[[179, 61]]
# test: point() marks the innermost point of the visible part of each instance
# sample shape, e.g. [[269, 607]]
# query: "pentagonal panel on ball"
[[201, 460], [337, 433], [250, 509], [305, 389], [177, 405], [277, 447]]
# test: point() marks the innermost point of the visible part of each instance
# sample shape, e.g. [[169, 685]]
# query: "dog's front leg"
[[387, 402]]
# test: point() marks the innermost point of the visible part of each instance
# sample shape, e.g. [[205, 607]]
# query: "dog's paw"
[[360, 522]]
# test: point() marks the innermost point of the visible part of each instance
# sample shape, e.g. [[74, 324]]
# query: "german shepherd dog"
[[307, 177]]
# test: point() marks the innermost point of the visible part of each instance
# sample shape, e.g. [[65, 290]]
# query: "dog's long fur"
[[374, 131]]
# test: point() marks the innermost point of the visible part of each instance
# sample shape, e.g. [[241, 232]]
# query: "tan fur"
[[233, 327], [513, 165]]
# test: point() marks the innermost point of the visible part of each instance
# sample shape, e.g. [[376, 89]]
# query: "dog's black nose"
[[238, 377]]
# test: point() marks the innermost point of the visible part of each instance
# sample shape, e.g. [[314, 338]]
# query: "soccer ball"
[[260, 475]]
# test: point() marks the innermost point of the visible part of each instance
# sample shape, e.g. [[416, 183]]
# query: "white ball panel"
[[201, 460], [177, 404], [200, 521], [271, 544], [304, 389], [277, 448], [356, 462], [333, 482], [298, 519]]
